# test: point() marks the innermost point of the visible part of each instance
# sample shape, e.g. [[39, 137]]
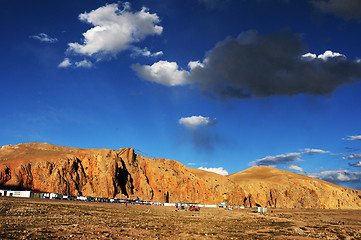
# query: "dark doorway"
[[167, 198]]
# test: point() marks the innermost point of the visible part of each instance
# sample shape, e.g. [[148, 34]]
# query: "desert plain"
[[22, 218]]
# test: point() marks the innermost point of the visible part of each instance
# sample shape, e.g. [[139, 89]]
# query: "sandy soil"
[[54, 219]]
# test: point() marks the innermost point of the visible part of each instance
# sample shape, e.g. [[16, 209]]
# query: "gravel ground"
[[55, 219]]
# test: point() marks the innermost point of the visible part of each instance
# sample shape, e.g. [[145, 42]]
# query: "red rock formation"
[[124, 174]]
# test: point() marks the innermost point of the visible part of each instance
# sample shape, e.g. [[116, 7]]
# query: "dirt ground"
[[55, 219]]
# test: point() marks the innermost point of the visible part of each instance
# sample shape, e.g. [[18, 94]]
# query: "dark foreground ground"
[[54, 219]]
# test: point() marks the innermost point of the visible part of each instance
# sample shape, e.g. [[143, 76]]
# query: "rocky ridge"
[[124, 174]]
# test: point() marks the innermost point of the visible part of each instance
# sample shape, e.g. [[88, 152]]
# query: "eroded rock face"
[[124, 174], [109, 173]]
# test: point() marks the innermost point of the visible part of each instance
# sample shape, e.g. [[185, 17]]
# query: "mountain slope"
[[124, 174], [269, 186]]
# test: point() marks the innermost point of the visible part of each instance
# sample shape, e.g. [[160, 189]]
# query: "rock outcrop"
[[124, 174]]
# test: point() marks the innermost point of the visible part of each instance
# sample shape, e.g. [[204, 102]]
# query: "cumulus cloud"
[[357, 164], [295, 167], [65, 63], [43, 37], [196, 121], [279, 159], [353, 138], [162, 72], [219, 170], [262, 66], [325, 56], [337, 176], [343, 8], [115, 30]]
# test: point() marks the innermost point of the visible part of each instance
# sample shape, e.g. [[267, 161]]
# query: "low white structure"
[[211, 205], [169, 204], [55, 196], [81, 198], [12, 193], [262, 209], [2, 193]]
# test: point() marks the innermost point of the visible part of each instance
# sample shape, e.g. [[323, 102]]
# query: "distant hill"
[[124, 174]]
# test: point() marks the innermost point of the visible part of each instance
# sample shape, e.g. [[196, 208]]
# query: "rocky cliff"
[[124, 174]]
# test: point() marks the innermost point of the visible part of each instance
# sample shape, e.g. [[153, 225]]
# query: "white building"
[[2, 193], [12, 193]]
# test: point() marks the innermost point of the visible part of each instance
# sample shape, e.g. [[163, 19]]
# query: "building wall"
[[12, 193]]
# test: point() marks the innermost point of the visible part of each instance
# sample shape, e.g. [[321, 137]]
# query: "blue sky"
[[217, 85]]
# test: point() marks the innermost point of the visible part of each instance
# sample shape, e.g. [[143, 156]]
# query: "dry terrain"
[[43, 219], [125, 174]]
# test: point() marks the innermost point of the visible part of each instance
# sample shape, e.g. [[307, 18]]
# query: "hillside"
[[124, 174]]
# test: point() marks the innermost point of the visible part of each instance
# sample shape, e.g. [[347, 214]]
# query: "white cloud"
[[279, 159], [329, 54], [196, 121], [309, 56], [354, 156], [43, 37], [194, 64], [325, 56], [219, 170], [166, 73], [337, 176], [145, 52], [295, 167], [313, 150], [162, 72], [84, 64], [115, 30], [353, 138], [65, 63], [191, 164]]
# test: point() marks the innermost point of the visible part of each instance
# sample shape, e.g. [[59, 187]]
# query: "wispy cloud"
[[343, 8], [354, 138], [354, 156], [287, 158], [279, 159], [219, 170], [84, 64], [337, 176], [311, 151], [145, 52], [43, 37], [295, 167], [66, 63], [357, 164]]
